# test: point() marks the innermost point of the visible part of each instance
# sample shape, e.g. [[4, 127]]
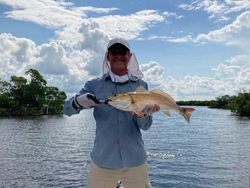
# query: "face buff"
[[133, 69], [118, 79]]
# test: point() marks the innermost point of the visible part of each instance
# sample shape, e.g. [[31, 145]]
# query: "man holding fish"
[[122, 107]]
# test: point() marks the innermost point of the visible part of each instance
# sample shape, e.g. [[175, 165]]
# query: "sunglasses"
[[118, 51]]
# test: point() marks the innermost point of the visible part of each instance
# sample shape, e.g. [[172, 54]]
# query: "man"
[[118, 152]]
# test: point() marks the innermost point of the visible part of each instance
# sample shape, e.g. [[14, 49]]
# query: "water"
[[213, 151]]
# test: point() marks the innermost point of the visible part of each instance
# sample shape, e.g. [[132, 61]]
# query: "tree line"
[[32, 96], [23, 97], [238, 104]]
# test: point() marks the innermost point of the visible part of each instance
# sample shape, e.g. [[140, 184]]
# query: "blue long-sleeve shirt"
[[118, 142]]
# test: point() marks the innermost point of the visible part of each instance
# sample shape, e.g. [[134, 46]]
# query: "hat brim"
[[118, 41], [118, 46]]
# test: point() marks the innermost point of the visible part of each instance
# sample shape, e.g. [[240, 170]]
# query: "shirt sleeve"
[[69, 108], [144, 122]]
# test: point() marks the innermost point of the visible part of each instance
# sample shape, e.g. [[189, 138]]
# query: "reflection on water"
[[158, 155], [212, 151]]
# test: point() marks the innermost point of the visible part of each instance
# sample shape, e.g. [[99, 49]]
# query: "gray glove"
[[84, 100]]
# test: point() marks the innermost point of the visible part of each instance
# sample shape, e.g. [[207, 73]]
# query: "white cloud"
[[218, 10], [191, 87], [243, 80], [236, 33], [56, 15], [53, 14], [51, 59], [230, 78], [237, 5], [227, 69], [201, 87], [184, 39], [242, 60], [86, 39], [130, 26], [58, 66], [15, 55], [76, 53], [84, 10], [68, 70], [169, 14], [237, 69], [153, 73], [49, 13]]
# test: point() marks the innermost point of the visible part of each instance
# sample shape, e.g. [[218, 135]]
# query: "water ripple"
[[158, 155], [212, 151]]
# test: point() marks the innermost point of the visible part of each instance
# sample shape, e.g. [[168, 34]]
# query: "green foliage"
[[4, 86], [239, 104], [53, 100], [30, 97], [232, 105], [222, 102], [36, 78], [194, 103], [4, 112], [243, 104]]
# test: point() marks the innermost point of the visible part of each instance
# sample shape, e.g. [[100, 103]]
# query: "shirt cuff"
[[70, 108]]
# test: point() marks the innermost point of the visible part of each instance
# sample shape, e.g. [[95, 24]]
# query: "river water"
[[212, 151]]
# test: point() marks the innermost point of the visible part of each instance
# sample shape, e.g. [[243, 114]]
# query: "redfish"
[[136, 101]]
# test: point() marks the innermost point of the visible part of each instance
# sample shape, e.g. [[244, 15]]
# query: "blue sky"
[[195, 49]]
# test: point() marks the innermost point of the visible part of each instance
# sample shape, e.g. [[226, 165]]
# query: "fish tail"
[[186, 112]]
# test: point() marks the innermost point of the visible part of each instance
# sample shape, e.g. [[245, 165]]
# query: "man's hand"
[[84, 100], [149, 110]]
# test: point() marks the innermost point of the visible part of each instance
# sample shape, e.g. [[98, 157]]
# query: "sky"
[[192, 49]]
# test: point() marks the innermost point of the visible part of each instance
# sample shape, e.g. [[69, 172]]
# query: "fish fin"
[[140, 89], [166, 112], [186, 112], [159, 92]]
